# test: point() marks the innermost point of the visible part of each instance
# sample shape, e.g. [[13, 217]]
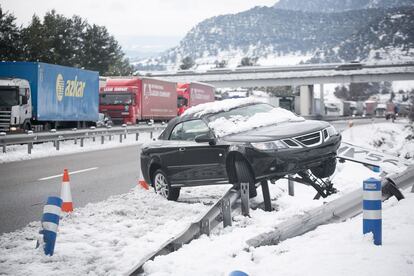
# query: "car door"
[[199, 163]]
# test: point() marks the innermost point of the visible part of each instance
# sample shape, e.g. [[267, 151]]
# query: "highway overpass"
[[305, 76]]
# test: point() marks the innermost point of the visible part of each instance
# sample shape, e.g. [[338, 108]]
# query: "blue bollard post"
[[372, 202], [50, 223], [238, 273]]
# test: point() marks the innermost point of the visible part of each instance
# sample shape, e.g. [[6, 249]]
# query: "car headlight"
[[273, 145], [332, 130]]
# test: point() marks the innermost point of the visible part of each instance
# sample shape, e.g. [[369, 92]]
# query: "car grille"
[[311, 139]]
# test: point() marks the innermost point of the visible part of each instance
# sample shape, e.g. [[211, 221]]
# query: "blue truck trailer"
[[40, 95]]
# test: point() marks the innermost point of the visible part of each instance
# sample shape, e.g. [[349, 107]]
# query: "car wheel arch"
[[231, 159], [152, 169]]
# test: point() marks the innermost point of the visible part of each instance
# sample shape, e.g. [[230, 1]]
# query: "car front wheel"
[[163, 187], [245, 176]]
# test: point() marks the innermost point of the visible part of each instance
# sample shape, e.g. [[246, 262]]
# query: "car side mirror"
[[205, 138]]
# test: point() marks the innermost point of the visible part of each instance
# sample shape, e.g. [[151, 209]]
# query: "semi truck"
[[193, 93], [36, 95], [130, 100]]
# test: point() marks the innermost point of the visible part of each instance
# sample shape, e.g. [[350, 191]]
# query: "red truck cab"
[[135, 99], [191, 94]]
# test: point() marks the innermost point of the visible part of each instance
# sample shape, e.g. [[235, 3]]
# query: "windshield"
[[181, 101], [245, 112], [249, 117], [117, 98], [9, 96]]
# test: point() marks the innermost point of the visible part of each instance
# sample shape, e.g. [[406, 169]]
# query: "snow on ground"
[[107, 238], [392, 138], [19, 152]]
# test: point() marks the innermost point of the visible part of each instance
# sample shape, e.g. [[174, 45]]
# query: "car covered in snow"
[[235, 141]]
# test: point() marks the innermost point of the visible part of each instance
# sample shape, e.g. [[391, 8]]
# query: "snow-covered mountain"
[[339, 5], [275, 36]]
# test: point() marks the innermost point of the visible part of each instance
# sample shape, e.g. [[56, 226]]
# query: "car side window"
[[176, 133], [189, 130], [194, 128]]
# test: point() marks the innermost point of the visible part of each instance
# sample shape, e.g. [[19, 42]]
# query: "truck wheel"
[[27, 126], [244, 175], [326, 169], [162, 186]]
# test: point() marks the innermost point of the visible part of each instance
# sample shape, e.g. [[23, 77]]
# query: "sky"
[[155, 22]]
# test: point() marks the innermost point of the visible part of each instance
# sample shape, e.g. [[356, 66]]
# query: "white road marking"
[[70, 173]]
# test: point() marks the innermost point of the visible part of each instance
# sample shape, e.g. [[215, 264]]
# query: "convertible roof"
[[218, 106]]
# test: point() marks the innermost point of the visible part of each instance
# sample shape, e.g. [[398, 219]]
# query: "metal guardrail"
[[340, 209], [57, 136], [220, 211]]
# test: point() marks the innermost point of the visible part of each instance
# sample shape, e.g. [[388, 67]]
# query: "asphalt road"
[[94, 176]]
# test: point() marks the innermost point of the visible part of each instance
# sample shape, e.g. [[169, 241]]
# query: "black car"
[[220, 146]]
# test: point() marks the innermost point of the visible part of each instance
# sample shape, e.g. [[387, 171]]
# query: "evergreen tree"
[[187, 63], [101, 52], [10, 47], [33, 40], [73, 42]]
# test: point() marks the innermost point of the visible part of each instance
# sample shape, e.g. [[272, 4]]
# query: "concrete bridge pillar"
[[322, 102], [306, 100]]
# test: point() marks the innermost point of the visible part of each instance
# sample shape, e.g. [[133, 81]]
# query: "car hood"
[[278, 131]]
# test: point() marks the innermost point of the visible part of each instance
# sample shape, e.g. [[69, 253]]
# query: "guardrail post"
[[372, 203], [93, 139], [57, 145], [81, 142], [266, 196], [226, 212], [205, 227], [120, 138], [75, 141], [29, 148], [102, 139], [244, 194], [291, 186], [151, 134], [110, 137], [136, 136], [4, 148]]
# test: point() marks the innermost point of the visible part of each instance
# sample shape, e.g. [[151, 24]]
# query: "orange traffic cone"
[[142, 183], [66, 195]]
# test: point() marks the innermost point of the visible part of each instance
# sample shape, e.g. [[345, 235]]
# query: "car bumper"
[[290, 161]]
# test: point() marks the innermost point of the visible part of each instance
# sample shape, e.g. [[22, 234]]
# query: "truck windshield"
[[115, 98], [9, 96], [181, 101]]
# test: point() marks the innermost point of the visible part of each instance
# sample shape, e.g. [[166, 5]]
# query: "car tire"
[[244, 175], [162, 186], [326, 169]]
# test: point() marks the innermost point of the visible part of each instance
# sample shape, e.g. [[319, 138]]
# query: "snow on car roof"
[[223, 126], [235, 124], [218, 106]]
